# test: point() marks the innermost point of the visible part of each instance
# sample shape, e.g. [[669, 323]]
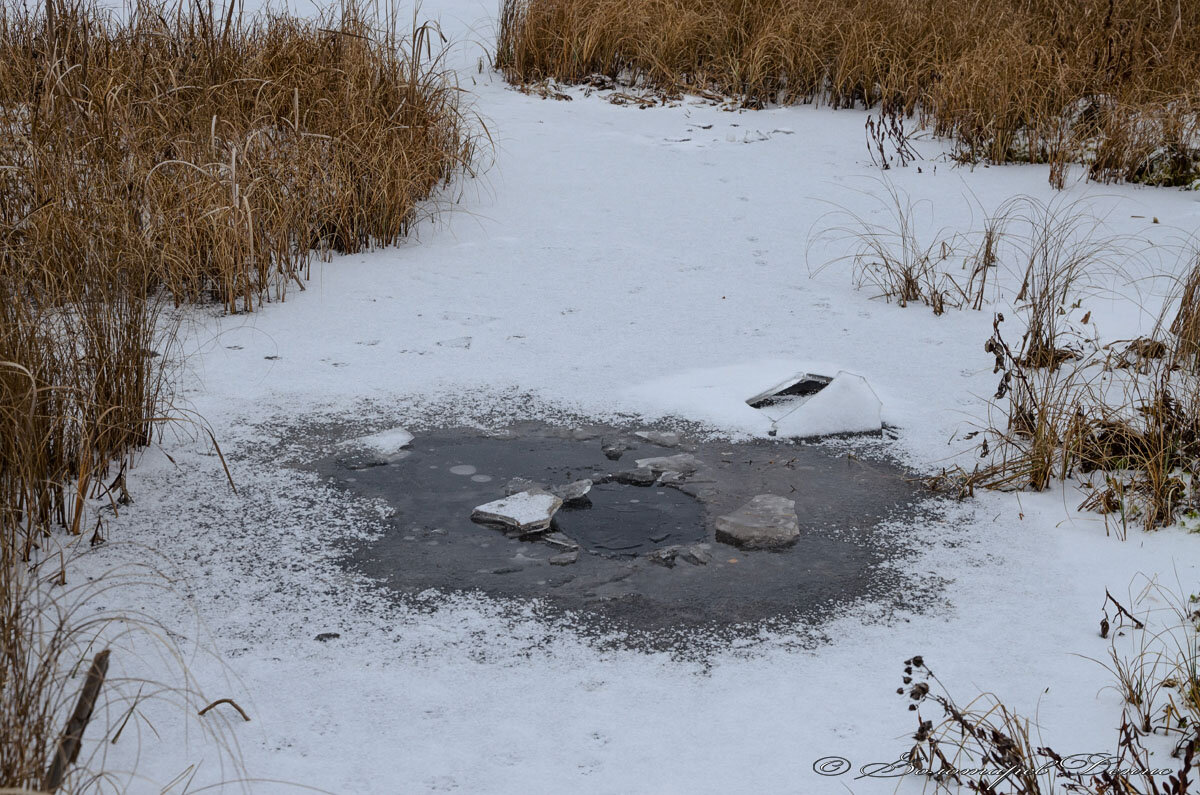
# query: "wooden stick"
[[72, 736]]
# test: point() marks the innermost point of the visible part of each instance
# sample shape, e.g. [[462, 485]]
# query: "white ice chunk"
[[684, 463], [389, 442], [526, 511]]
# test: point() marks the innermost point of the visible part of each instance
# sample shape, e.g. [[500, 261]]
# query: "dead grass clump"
[[182, 153], [1185, 326], [988, 748], [895, 258], [1058, 248], [177, 153], [1156, 141], [44, 646], [1036, 442], [981, 747], [216, 154], [985, 260], [1111, 83], [1150, 459], [1126, 425], [1062, 250], [60, 713], [1123, 421]]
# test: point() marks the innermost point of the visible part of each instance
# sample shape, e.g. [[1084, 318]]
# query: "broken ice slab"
[[664, 556], [660, 438], [613, 448], [560, 541], [808, 405], [517, 485], [642, 476], [683, 463], [574, 492], [766, 522], [524, 512]]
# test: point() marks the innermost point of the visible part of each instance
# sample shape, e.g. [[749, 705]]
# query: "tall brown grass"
[[180, 152], [1114, 83]]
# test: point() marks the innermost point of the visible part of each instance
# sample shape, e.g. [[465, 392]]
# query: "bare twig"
[[231, 703]]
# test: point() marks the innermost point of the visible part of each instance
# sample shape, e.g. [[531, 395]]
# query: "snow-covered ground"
[[615, 261]]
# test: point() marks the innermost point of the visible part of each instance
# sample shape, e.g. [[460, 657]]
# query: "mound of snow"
[[718, 397]]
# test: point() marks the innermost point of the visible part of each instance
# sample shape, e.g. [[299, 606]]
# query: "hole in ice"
[[792, 392]]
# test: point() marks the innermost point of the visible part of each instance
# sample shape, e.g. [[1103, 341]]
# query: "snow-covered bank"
[[610, 256]]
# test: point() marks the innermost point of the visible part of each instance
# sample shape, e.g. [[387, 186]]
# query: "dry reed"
[[1113, 83], [987, 747], [1124, 419], [178, 153], [182, 154]]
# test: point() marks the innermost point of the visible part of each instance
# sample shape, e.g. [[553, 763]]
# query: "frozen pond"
[[646, 554]]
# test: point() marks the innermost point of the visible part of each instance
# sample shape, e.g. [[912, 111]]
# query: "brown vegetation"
[[178, 153], [1114, 83], [987, 747], [1124, 419]]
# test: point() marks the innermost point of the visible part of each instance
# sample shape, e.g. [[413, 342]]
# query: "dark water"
[[616, 520], [627, 520], [841, 555]]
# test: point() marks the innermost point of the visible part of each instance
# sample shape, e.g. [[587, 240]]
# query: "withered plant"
[[986, 747], [179, 152], [894, 257], [1111, 83]]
